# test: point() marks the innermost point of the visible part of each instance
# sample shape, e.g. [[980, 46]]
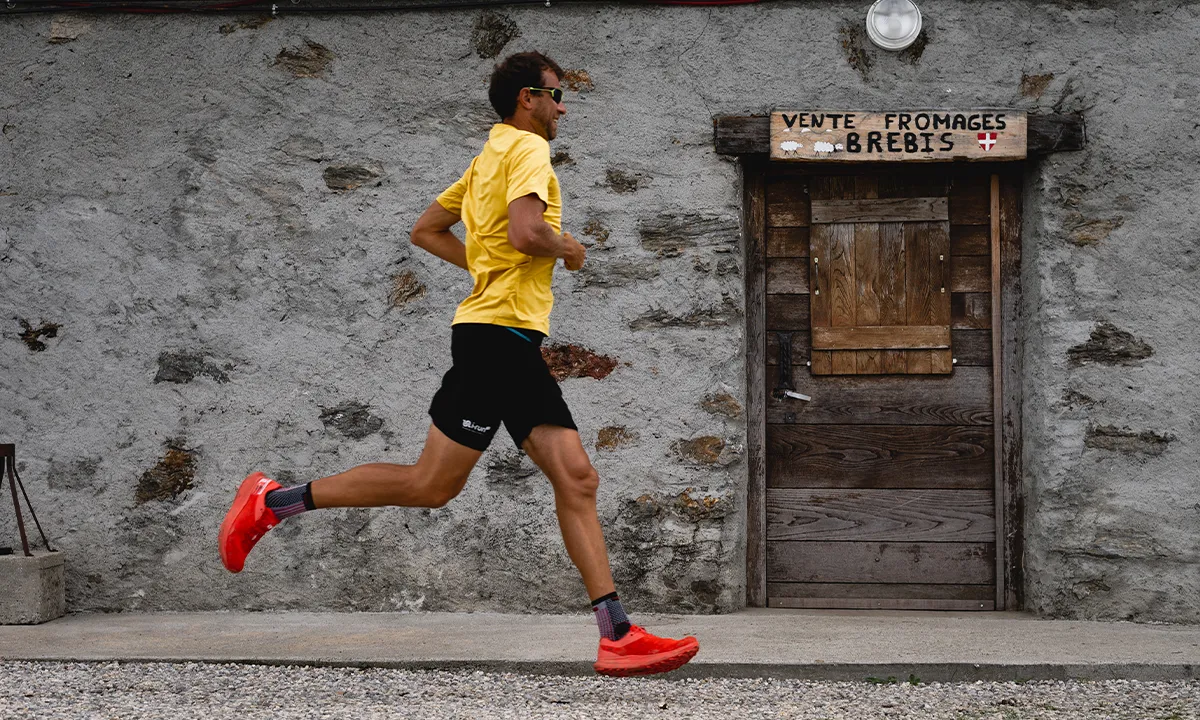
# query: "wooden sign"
[[906, 135]]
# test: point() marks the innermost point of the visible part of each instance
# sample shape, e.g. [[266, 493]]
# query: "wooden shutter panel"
[[879, 280]]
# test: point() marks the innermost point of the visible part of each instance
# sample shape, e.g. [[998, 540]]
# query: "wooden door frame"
[[1007, 359]]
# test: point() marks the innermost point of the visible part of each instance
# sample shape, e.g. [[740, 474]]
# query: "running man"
[[509, 202]]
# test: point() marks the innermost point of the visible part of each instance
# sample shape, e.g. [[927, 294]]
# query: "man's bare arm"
[[432, 233], [529, 233]]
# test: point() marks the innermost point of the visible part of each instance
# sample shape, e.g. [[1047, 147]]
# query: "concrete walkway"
[[829, 645]]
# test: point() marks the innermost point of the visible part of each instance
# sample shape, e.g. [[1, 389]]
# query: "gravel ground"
[[214, 692]]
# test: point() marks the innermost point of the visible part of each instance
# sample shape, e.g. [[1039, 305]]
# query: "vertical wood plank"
[[754, 223], [843, 362], [1008, 415], [841, 268], [941, 361], [818, 271], [841, 275], [821, 362], [894, 362], [867, 274], [787, 204], [919, 289], [842, 290], [869, 362], [820, 188], [971, 311], [893, 303], [997, 386], [866, 187], [919, 362], [969, 197]]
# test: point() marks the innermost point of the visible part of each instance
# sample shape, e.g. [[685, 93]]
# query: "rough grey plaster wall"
[[1111, 354], [180, 198]]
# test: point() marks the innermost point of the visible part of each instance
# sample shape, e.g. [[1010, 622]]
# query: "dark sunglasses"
[[555, 93]]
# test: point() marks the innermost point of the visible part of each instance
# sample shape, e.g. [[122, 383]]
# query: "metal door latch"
[[783, 388]]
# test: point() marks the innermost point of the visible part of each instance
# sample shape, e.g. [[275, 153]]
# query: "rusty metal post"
[[8, 464]]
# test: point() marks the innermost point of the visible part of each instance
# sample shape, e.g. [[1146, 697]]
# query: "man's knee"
[[440, 497], [439, 491], [580, 481]]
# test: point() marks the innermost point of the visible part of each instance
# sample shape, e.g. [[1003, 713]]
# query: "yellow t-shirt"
[[511, 288]]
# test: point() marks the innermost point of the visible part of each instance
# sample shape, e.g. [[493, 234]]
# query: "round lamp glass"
[[893, 24]]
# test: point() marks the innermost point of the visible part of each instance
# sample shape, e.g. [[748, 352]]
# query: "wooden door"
[[880, 491]]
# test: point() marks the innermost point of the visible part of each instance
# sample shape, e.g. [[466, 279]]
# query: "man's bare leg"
[[560, 454], [625, 649], [439, 476]]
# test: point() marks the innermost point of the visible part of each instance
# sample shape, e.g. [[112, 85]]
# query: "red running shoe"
[[640, 653], [247, 521]]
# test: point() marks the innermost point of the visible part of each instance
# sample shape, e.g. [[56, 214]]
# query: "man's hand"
[[574, 254]]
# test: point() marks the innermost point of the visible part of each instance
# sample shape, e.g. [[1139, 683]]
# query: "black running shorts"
[[498, 376]]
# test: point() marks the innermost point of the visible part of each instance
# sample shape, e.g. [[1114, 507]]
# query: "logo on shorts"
[[468, 425]]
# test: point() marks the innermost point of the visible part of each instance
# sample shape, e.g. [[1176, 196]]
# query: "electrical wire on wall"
[[278, 7]]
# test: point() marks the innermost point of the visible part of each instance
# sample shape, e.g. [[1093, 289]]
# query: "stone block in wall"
[[352, 176], [310, 61], [32, 336], [713, 316], [615, 273], [1110, 345], [1129, 442], [172, 475], [491, 32], [615, 436], [562, 158], [670, 234], [721, 402], [406, 288], [622, 181], [1090, 231], [67, 27], [579, 80], [352, 419], [32, 589], [707, 450], [573, 361], [1033, 86]]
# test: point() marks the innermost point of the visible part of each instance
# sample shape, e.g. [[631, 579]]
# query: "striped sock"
[[610, 617], [286, 502]]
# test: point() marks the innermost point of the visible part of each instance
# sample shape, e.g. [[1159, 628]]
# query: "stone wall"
[[204, 270]]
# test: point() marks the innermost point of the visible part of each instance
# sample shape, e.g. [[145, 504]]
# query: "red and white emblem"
[[987, 140]]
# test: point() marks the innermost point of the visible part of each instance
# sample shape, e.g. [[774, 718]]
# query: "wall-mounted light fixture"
[[893, 24]]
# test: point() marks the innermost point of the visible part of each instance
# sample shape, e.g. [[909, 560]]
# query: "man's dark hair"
[[518, 71]]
